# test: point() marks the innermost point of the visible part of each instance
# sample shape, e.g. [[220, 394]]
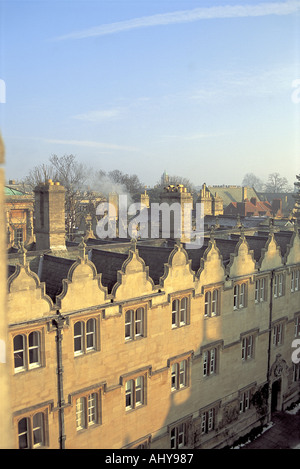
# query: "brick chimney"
[[49, 208]]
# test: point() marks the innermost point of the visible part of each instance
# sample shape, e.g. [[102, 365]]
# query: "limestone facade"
[[153, 347]]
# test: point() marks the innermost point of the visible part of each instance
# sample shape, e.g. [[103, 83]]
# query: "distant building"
[[250, 208], [233, 193], [283, 200], [19, 208], [296, 208], [165, 180], [211, 201], [147, 344]]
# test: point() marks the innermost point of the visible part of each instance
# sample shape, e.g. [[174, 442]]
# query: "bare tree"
[[276, 184], [71, 174], [250, 180], [38, 174]]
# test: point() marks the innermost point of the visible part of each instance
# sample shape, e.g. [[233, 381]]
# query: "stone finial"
[[271, 225], [238, 221], [22, 251], [133, 244], [212, 233], [242, 231], [82, 249]]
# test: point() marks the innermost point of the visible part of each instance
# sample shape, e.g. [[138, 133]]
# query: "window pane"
[[19, 345], [182, 374], [92, 408], [173, 438], [139, 321], [235, 296], [207, 303], [181, 435], [78, 337], [80, 410], [34, 348], [23, 433], [38, 429], [257, 288], [128, 394], [183, 310], [175, 312], [214, 305], [205, 363], [91, 334], [128, 324], [139, 384], [174, 376]]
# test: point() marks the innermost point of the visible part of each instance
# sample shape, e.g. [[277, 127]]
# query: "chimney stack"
[[50, 228]]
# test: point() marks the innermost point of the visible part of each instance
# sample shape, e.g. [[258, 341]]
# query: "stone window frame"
[[279, 285], [28, 364], [248, 342], [209, 301], [141, 443], [211, 361], [278, 331], [176, 316], [31, 429], [261, 294], [83, 395], [136, 386], [295, 280], [208, 418], [84, 336], [174, 364], [240, 290], [179, 433], [296, 372], [297, 324], [132, 336], [244, 397]]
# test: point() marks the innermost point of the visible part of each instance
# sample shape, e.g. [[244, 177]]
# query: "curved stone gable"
[[271, 254], [26, 297], [177, 271], [133, 279], [293, 249], [84, 284], [211, 265], [242, 260]]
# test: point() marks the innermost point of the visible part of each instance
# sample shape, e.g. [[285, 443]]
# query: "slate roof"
[[108, 263], [232, 193], [54, 270], [255, 209]]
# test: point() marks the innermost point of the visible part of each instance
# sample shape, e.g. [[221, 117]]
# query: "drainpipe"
[[270, 343], [58, 322]]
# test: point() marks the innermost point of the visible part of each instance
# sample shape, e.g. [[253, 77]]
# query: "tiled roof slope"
[[54, 270]]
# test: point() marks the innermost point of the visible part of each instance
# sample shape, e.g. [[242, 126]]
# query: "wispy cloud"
[[91, 144], [99, 116], [187, 16], [195, 136], [261, 83]]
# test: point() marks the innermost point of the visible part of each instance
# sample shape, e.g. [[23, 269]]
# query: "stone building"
[[18, 216], [212, 202], [148, 344]]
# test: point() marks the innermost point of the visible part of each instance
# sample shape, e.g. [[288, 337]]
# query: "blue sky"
[[201, 89]]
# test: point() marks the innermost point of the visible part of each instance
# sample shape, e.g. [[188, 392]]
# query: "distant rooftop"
[[11, 191]]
